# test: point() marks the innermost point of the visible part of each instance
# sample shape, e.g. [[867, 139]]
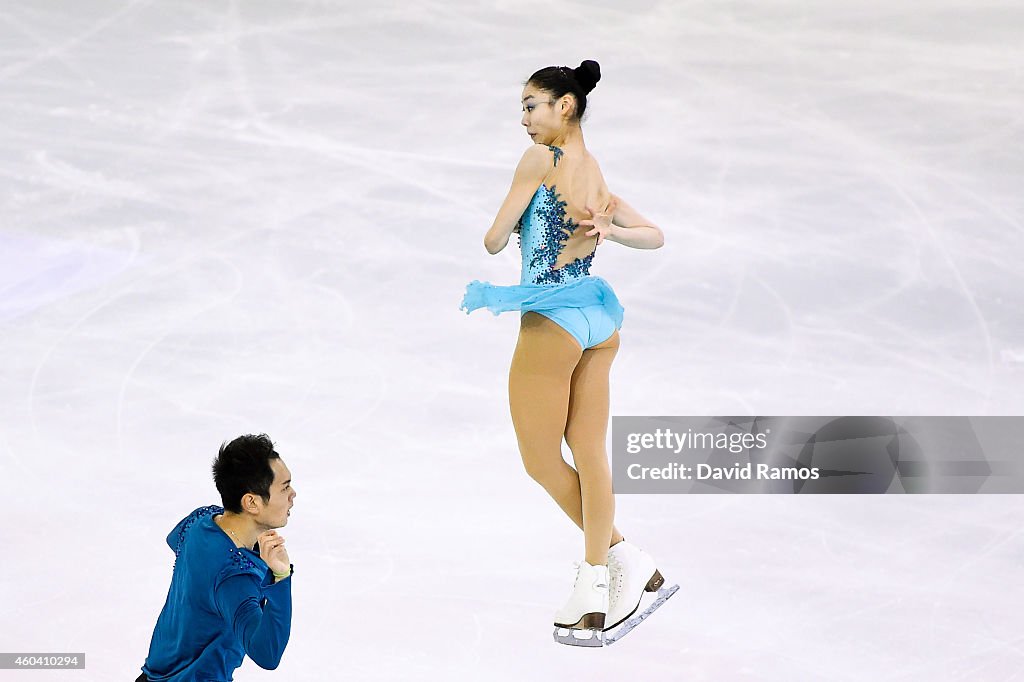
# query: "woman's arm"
[[530, 172], [629, 228]]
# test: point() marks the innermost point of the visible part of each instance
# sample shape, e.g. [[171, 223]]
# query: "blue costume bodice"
[[543, 231]]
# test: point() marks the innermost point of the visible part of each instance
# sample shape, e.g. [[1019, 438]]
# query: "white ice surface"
[[228, 217]]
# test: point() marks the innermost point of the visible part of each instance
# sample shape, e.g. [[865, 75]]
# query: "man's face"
[[275, 513]]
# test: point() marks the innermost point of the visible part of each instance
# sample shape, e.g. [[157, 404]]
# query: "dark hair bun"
[[587, 74]]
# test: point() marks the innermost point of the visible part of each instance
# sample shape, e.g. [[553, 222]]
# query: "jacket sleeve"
[[263, 631]]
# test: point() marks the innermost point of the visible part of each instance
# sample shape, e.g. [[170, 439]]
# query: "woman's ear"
[[568, 106]]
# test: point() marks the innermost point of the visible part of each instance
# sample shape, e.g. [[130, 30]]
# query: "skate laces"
[[576, 565], [614, 574]]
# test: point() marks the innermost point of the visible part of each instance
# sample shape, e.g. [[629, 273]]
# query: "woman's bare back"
[[576, 179]]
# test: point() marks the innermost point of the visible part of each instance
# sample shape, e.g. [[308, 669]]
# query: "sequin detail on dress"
[[557, 152], [544, 231]]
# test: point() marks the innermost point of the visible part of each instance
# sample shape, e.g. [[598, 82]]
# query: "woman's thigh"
[[587, 414], [539, 382]]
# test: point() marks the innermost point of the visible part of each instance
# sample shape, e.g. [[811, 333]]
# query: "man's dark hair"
[[243, 466]]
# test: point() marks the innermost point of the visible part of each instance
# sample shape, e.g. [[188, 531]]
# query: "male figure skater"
[[227, 601]]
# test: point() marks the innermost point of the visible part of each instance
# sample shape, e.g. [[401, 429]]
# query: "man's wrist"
[[281, 576]]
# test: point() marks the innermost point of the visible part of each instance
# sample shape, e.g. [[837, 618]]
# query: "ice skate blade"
[[627, 626], [575, 637]]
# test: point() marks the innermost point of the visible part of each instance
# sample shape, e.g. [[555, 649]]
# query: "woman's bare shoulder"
[[599, 181]]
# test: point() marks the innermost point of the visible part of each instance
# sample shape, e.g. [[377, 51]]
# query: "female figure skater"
[[568, 337]]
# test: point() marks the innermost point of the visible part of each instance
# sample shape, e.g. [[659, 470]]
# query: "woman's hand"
[[601, 222]]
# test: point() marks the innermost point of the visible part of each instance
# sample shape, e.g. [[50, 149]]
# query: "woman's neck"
[[571, 138]]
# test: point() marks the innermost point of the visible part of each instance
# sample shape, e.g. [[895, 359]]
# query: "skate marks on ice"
[[596, 638]]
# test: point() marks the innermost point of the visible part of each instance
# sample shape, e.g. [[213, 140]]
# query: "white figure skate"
[[581, 621], [632, 572]]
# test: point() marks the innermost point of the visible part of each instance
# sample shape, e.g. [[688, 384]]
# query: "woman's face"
[[543, 115]]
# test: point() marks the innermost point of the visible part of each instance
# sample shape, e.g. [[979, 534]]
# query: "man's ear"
[[249, 503]]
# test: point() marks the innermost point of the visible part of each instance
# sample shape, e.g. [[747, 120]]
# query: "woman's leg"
[[585, 432], [539, 383]]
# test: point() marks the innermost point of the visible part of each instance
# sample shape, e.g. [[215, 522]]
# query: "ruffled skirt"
[[581, 293]]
